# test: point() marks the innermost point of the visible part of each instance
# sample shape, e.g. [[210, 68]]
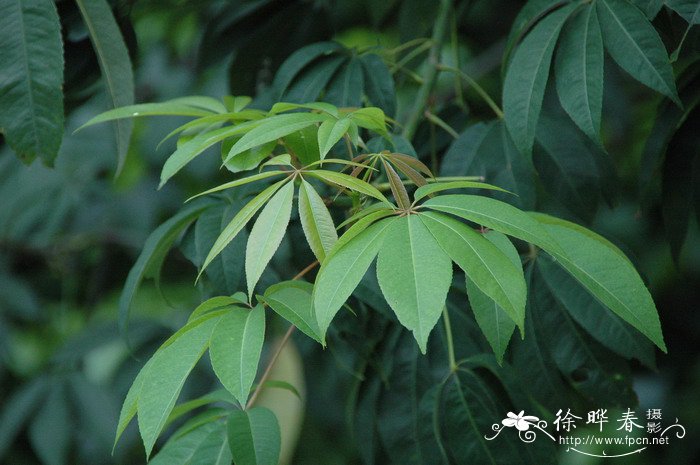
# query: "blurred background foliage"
[[69, 234]]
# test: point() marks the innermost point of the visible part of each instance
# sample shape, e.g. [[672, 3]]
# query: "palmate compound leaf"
[[414, 274], [526, 78], [635, 45], [579, 70], [267, 234], [235, 347], [31, 58], [254, 437], [316, 221]]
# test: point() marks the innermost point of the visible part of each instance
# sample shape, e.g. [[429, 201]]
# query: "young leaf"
[[414, 274], [379, 84], [397, 187], [343, 180], [435, 187], [610, 278], [267, 233], [485, 264], [342, 271], [316, 221], [495, 215], [579, 71], [249, 159], [635, 45], [166, 374], [254, 437], [31, 101], [526, 79], [292, 301], [235, 349], [239, 221], [115, 64], [370, 118], [153, 253], [330, 132], [273, 128]]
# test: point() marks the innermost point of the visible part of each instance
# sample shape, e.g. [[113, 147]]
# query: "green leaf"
[[609, 277], [218, 396], [298, 60], [31, 101], [349, 182], [304, 144], [281, 107], [204, 445], [434, 187], [235, 349], [313, 81], [566, 167], [154, 251], [414, 273], [239, 182], [115, 64], [239, 221], [330, 132], [687, 9], [18, 408], [186, 152], [50, 429], [249, 159], [292, 301], [635, 45], [343, 270], [493, 320], [370, 118], [526, 79], [485, 264], [171, 107], [254, 437], [602, 324], [166, 374], [273, 128], [379, 84], [345, 89], [316, 221], [486, 149], [579, 71], [267, 234], [495, 215], [130, 405]]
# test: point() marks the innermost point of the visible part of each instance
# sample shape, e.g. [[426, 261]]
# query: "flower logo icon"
[[520, 421]]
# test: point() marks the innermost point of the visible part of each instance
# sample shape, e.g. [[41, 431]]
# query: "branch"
[[431, 72]]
